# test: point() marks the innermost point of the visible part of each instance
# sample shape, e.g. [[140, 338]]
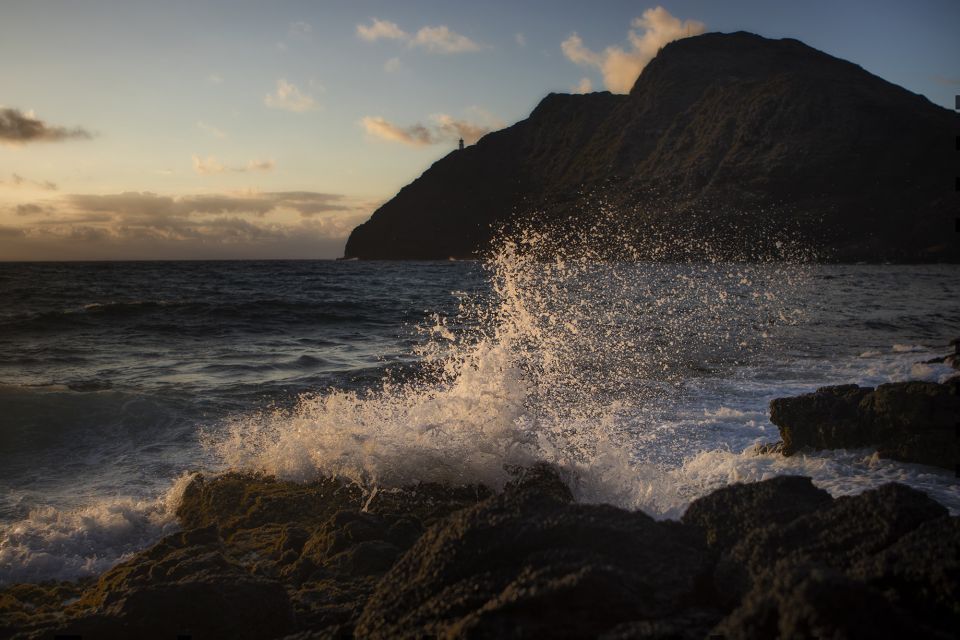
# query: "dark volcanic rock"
[[778, 557], [727, 514], [722, 134], [846, 531], [803, 601], [529, 563], [184, 585], [818, 575], [825, 419], [907, 421]]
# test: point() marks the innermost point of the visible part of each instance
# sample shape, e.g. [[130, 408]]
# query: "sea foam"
[[571, 357], [54, 544]]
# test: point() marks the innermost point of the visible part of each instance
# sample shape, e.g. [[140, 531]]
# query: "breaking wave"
[[55, 544], [580, 346]]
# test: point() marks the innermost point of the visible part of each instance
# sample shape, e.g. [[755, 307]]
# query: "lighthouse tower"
[[461, 144]]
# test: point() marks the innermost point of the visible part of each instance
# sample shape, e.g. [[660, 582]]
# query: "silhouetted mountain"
[[720, 135]]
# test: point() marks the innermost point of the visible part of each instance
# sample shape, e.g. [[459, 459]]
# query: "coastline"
[[261, 557]]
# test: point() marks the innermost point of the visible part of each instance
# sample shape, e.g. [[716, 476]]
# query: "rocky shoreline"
[[264, 558], [259, 557]]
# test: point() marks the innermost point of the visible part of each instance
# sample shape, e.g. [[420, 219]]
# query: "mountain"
[[723, 135]]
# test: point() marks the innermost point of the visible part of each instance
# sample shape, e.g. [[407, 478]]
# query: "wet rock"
[[920, 572], [906, 421], [804, 601], [825, 419], [838, 535], [529, 563], [728, 514], [768, 448], [778, 557], [183, 585]]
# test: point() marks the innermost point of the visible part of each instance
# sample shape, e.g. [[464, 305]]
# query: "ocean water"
[[647, 383]]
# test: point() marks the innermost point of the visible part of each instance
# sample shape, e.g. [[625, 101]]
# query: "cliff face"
[[719, 128]]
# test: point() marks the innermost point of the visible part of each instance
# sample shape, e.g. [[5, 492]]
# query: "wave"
[[157, 315], [53, 544], [576, 350], [840, 472]]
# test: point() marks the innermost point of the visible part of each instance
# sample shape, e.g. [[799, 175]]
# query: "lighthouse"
[[461, 144]]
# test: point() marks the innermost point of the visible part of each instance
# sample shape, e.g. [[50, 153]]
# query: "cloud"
[[621, 67], [30, 210], [17, 181], [289, 98], [212, 130], [211, 166], [300, 29], [438, 39], [415, 135], [451, 128], [137, 205], [584, 86], [947, 81], [260, 165], [381, 30], [442, 40], [520, 39], [17, 127], [215, 78], [445, 128], [392, 65], [280, 224]]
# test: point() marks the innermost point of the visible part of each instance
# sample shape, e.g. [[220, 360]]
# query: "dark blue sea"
[[650, 383]]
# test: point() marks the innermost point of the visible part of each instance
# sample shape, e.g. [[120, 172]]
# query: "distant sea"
[[649, 382]]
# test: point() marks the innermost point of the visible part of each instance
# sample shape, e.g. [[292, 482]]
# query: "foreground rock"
[[906, 421], [261, 558]]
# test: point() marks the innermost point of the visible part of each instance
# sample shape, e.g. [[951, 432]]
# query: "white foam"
[[840, 472], [52, 544], [569, 360], [908, 348]]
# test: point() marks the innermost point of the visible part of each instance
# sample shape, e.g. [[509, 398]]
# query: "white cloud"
[[212, 130], [215, 78], [438, 39], [392, 65], [289, 98], [415, 135], [212, 166], [621, 67], [584, 86], [520, 39], [444, 129], [300, 29], [381, 29], [442, 40]]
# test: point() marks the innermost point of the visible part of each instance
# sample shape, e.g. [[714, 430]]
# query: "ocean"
[[648, 383]]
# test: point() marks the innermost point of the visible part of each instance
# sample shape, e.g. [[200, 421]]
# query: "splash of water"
[[68, 544], [569, 358]]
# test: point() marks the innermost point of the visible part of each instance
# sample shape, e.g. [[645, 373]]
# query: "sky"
[[244, 130]]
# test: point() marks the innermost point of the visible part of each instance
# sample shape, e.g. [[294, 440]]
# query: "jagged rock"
[[748, 561], [728, 514], [836, 535], [183, 585], [920, 572], [906, 421], [729, 139], [827, 418], [529, 563], [804, 601]]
